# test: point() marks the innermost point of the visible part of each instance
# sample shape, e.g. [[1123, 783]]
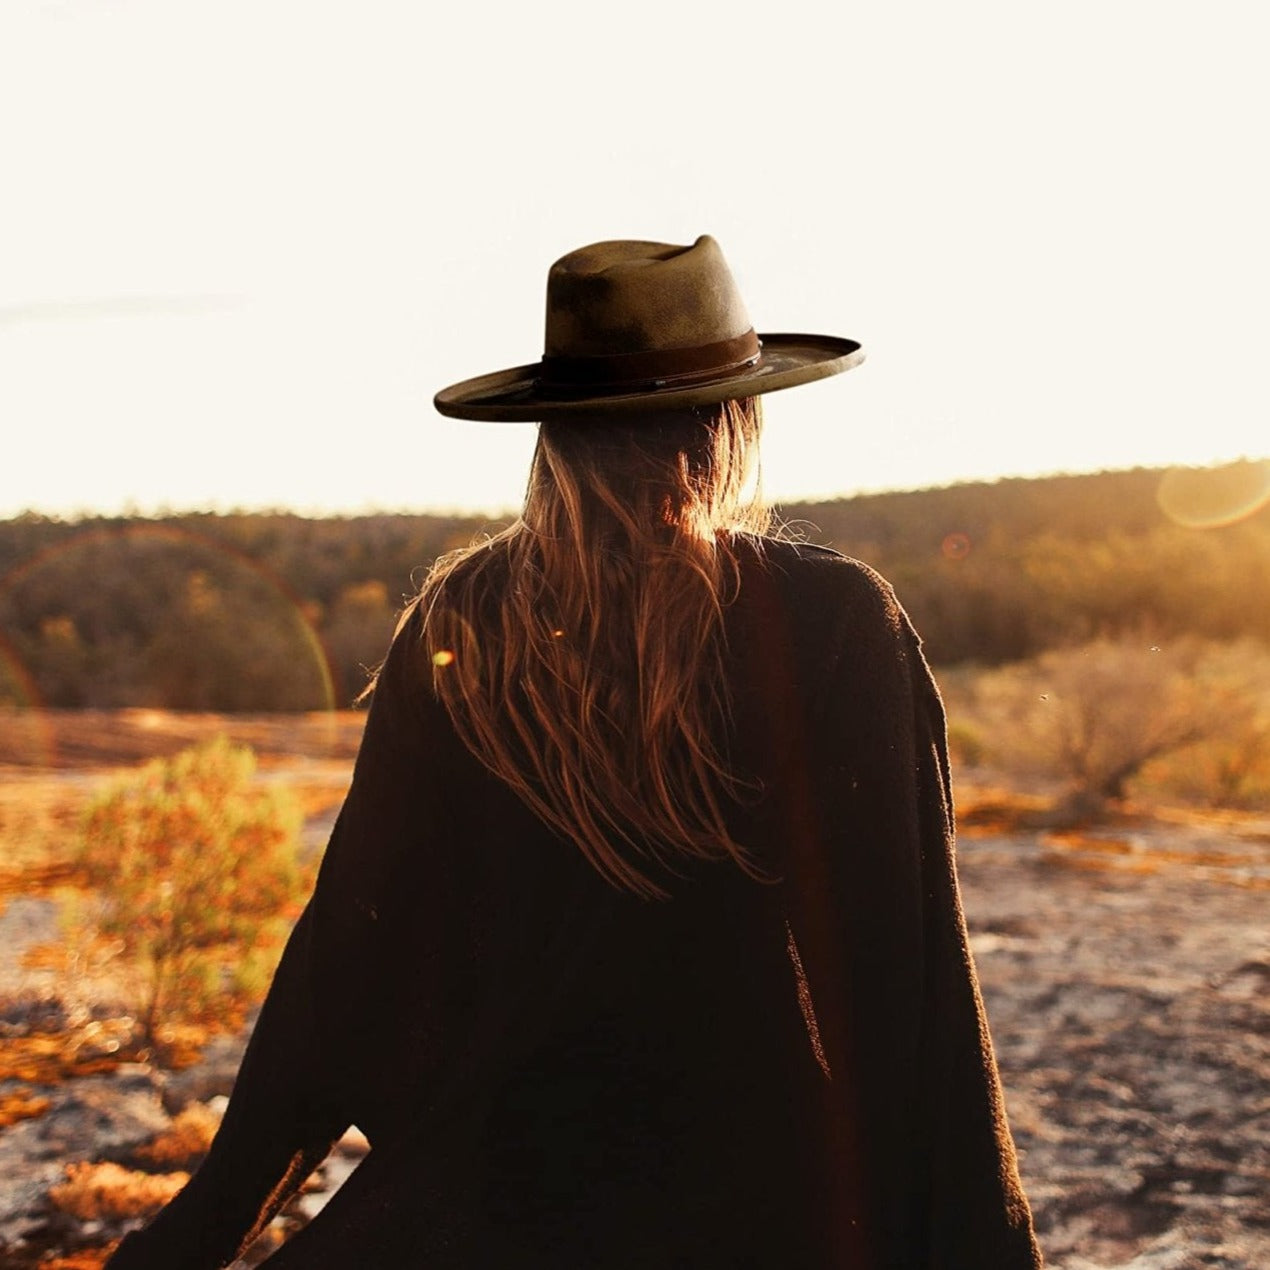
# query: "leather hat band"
[[651, 368]]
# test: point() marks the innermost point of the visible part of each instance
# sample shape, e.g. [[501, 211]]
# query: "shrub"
[[184, 1143], [1096, 714], [1229, 768], [965, 743], [109, 1192], [198, 872]]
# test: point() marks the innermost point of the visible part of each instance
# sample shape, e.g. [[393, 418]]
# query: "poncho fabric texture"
[[554, 1074]]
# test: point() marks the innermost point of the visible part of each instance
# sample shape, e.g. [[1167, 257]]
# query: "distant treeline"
[[273, 611]]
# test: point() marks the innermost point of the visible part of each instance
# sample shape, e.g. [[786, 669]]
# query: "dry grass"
[[1248, 826], [182, 1043], [47, 1058], [85, 1259], [21, 1106], [37, 740], [984, 810], [184, 1142], [39, 821], [109, 1192]]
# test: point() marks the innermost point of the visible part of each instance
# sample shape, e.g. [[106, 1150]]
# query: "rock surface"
[[1129, 1009], [90, 1118]]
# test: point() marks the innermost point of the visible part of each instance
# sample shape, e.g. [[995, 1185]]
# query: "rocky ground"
[[1126, 976]]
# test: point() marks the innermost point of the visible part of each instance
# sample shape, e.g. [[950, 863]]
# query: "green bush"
[[198, 872]]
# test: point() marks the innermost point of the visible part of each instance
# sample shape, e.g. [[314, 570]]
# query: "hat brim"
[[517, 394]]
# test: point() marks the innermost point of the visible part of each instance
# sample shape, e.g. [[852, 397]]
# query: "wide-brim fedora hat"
[[633, 325]]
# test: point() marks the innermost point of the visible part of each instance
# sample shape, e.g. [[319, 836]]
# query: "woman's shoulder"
[[836, 587]]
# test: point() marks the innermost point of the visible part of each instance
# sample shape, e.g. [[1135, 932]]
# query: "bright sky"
[[242, 242]]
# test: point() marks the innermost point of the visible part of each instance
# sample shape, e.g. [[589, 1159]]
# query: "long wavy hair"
[[580, 652]]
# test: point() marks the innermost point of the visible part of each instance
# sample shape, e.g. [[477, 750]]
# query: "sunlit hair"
[[580, 652]]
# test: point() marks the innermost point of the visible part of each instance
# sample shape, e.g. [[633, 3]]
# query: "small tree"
[[197, 868]]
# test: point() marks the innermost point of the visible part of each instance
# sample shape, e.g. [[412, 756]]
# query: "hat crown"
[[622, 297]]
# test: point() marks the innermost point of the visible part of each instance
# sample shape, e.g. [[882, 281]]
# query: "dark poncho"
[[553, 1073]]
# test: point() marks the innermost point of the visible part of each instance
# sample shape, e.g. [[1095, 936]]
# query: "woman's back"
[[610, 1068]]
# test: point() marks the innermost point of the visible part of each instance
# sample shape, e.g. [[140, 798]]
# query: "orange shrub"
[[109, 1192], [185, 1141]]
